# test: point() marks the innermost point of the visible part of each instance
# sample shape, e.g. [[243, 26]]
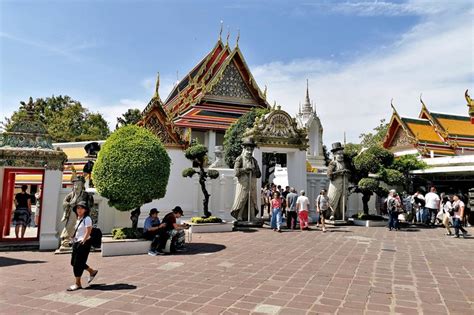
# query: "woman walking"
[[446, 208], [81, 245], [276, 212], [22, 214]]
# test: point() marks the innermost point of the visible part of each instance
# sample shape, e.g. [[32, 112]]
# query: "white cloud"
[[111, 112], [434, 58]]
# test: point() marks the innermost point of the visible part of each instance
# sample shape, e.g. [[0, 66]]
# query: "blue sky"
[[106, 53]]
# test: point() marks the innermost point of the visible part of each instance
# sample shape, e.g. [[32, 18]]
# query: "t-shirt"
[[169, 220], [323, 202], [276, 203], [457, 205], [22, 200], [81, 226], [303, 203], [432, 200], [150, 222], [292, 197]]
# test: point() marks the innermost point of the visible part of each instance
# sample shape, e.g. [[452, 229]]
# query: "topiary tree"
[[197, 153], [233, 136], [132, 168]]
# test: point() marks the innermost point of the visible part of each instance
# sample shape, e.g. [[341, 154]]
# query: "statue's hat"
[[337, 146], [92, 148], [248, 142]]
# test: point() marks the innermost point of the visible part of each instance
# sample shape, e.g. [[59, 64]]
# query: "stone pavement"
[[351, 270]]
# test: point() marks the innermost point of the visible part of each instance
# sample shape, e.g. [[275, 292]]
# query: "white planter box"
[[111, 247], [370, 223], [211, 227]]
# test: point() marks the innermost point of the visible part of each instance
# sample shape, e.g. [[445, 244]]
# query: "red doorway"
[[13, 179]]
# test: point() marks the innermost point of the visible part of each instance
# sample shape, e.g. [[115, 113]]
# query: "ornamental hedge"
[[132, 168]]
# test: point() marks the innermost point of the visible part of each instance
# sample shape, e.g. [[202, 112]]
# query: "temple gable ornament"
[[231, 84], [279, 129]]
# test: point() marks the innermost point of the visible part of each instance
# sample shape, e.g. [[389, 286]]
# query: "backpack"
[[96, 237]]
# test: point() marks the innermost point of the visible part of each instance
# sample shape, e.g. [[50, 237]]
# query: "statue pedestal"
[[255, 223]]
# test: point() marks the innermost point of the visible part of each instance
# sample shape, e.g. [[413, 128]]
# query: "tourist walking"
[[458, 216], [275, 203], [291, 214], [302, 206], [22, 214], [393, 208], [432, 202], [446, 208], [283, 201], [81, 246], [418, 204], [322, 207]]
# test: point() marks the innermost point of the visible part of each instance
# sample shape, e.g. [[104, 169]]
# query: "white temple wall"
[[49, 235]]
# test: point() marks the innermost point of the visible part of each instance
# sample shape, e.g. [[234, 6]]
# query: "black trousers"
[[80, 253], [291, 218]]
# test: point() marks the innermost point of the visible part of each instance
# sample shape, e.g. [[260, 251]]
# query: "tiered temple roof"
[[432, 134], [212, 96]]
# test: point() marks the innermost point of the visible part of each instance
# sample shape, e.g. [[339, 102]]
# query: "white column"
[[49, 211], [257, 154], [211, 144]]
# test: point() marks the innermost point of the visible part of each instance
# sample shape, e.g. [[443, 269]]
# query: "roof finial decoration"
[[157, 86], [220, 32], [423, 106], [307, 90], [238, 37], [393, 107], [228, 36]]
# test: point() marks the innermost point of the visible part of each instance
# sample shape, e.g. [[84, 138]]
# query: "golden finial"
[[470, 104], [238, 37], [157, 86], [422, 103], [220, 32], [228, 36], [393, 107]]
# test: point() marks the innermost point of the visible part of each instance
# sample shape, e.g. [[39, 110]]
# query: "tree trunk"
[[205, 201], [134, 215], [365, 202]]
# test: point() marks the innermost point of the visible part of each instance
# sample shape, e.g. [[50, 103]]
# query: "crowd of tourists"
[[277, 203], [429, 210]]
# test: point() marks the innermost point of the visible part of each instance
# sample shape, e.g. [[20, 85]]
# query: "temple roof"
[[439, 133]]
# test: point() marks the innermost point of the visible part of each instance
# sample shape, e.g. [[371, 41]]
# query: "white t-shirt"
[[303, 203], [457, 205], [81, 229], [432, 200]]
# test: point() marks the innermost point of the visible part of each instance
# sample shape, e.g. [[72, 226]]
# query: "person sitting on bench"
[[151, 225]]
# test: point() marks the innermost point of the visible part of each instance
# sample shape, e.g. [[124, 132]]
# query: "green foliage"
[[372, 160], [188, 172], [196, 152], [131, 117], [368, 184], [65, 119], [233, 136], [327, 159], [126, 233], [392, 177], [374, 138], [132, 168], [211, 219], [407, 163], [213, 174]]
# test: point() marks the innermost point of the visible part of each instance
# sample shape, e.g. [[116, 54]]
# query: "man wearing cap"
[[171, 235], [150, 227], [247, 171], [338, 185]]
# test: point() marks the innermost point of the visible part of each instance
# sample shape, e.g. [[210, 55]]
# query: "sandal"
[[92, 276], [74, 287]]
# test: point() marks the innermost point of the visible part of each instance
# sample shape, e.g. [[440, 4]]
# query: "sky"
[[357, 55]]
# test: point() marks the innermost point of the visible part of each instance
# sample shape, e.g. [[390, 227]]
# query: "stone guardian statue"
[[69, 218], [247, 172], [338, 176]]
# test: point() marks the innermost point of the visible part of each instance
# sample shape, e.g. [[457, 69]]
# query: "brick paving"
[[350, 270]]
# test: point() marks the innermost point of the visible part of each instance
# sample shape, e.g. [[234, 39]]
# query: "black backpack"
[[96, 237]]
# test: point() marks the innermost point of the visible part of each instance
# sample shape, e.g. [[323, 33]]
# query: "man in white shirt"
[[302, 206], [432, 201]]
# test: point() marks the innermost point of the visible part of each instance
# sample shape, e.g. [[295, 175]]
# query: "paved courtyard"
[[351, 270]]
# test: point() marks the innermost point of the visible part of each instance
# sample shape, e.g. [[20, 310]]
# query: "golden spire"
[[220, 32], [393, 107], [423, 106], [238, 37], [228, 36], [157, 86]]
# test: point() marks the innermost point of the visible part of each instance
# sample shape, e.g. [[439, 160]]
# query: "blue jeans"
[[393, 220], [457, 224], [276, 218], [420, 215]]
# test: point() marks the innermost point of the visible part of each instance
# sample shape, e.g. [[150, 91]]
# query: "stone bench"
[[111, 247]]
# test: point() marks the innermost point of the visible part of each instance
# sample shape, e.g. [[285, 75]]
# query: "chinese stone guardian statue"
[[338, 176], [69, 218], [247, 172]]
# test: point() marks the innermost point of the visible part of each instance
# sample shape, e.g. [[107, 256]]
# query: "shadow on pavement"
[[111, 287], [5, 262], [202, 248]]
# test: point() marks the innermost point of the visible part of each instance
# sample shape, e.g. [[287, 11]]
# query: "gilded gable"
[[231, 84]]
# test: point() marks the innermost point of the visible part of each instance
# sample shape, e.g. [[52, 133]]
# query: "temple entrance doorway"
[[274, 168], [17, 223]]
